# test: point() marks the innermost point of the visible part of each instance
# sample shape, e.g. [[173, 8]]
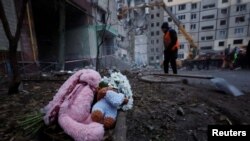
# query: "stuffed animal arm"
[[115, 99]]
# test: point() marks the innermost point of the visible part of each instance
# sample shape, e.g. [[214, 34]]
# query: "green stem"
[[37, 129], [31, 125], [30, 120]]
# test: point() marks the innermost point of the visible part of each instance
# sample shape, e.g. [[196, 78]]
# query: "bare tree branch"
[[20, 20], [102, 39], [6, 26], [13, 44]]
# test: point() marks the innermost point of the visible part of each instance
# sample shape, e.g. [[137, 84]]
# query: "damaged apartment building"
[[145, 20], [65, 34]]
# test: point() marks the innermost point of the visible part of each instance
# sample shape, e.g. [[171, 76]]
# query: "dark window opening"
[[207, 27], [206, 48], [182, 7], [221, 43], [208, 17], [240, 19], [103, 18], [224, 11], [208, 6], [224, 1], [194, 5], [223, 22], [239, 41]]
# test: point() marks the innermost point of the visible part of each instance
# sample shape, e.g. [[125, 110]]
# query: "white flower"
[[121, 83]]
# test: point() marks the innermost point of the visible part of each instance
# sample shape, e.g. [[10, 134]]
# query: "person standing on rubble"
[[171, 46], [226, 58]]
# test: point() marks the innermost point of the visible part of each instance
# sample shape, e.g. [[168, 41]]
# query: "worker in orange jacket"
[[171, 46]]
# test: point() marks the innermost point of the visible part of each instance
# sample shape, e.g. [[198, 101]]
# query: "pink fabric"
[[72, 104]]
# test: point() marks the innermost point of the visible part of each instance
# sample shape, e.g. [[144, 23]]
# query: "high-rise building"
[[146, 23], [155, 34], [213, 24]]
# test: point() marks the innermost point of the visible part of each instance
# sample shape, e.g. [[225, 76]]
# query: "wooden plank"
[[120, 131]]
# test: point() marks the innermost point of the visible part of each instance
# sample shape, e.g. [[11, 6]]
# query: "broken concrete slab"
[[223, 85]]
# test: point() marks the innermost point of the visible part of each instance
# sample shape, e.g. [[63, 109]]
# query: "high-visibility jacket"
[[167, 40]]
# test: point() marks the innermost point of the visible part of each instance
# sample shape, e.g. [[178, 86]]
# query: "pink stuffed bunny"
[[72, 104]]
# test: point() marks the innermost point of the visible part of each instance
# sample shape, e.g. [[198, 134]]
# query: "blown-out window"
[[182, 7]]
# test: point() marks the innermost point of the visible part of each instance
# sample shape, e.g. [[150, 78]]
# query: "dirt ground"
[[162, 111]]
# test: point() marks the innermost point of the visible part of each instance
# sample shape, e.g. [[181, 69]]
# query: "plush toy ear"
[[103, 84], [101, 93]]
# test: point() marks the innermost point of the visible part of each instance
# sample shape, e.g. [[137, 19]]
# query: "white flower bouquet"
[[121, 83]]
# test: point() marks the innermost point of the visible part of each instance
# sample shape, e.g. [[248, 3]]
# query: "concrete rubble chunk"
[[180, 111], [223, 85]]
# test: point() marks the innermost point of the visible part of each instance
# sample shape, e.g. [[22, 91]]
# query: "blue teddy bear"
[[105, 110]]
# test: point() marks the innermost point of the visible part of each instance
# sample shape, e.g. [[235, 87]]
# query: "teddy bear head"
[[102, 90]]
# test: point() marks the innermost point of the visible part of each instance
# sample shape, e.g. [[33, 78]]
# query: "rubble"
[[153, 117]]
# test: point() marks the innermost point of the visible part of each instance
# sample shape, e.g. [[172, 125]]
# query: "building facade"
[[67, 33], [137, 23], [147, 21], [213, 24], [155, 49]]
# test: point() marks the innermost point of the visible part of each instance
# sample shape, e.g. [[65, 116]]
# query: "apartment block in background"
[[213, 24]]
